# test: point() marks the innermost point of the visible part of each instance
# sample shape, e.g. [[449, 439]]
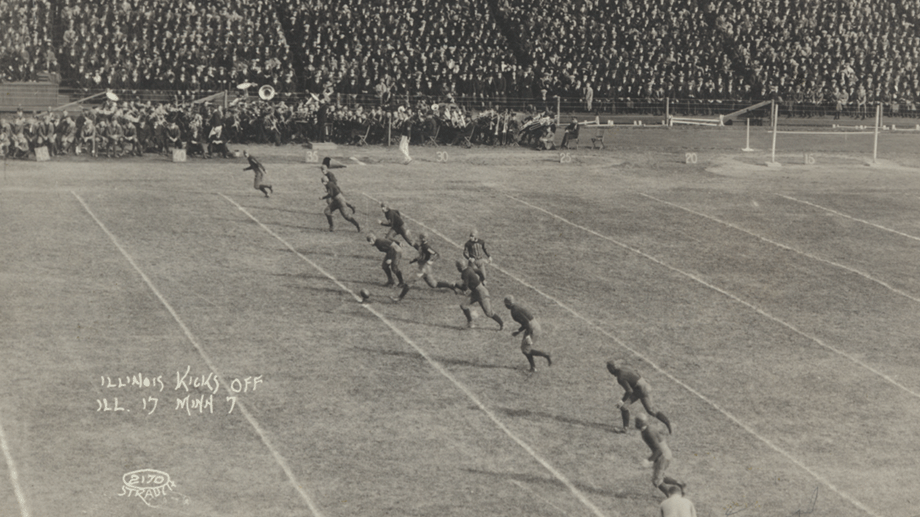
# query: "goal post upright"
[[667, 111], [878, 122], [773, 112], [747, 145]]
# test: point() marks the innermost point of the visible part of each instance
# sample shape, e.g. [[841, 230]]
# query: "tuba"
[[266, 92]]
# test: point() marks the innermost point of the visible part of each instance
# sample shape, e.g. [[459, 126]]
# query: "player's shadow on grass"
[[537, 415], [441, 360], [548, 482]]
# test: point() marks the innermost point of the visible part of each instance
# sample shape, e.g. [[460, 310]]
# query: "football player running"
[[426, 256], [637, 388], [337, 202], [471, 280], [530, 326]]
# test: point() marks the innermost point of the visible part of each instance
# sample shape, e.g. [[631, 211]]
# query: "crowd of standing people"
[[206, 129]]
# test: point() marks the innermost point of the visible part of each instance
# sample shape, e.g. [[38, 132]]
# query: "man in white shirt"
[[676, 505]]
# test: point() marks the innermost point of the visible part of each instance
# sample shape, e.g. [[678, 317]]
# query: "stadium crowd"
[[357, 71], [206, 129], [25, 41], [806, 52]]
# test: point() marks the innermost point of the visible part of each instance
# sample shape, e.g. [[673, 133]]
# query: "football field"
[[174, 343]]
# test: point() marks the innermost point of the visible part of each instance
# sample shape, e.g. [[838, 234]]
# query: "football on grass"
[[365, 294]]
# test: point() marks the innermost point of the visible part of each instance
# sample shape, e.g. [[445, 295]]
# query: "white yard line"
[[194, 341], [818, 477], [14, 475], [790, 248], [436, 365], [758, 310], [841, 214], [537, 494]]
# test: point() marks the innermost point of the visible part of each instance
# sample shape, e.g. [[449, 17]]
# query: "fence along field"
[[706, 276]]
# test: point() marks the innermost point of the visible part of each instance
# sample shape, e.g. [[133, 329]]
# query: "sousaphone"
[[266, 92]]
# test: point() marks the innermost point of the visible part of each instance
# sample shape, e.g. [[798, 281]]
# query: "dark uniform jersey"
[[628, 378], [522, 316], [470, 279], [255, 165], [393, 255], [394, 219], [383, 245], [475, 249], [652, 438], [332, 190], [425, 254]]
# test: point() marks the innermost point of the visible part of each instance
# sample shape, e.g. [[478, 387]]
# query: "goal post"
[[847, 145]]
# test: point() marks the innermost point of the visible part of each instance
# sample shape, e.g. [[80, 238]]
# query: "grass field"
[[774, 311]]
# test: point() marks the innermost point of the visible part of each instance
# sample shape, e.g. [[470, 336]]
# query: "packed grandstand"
[[343, 70]]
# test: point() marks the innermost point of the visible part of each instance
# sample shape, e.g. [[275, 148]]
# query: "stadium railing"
[[648, 108]]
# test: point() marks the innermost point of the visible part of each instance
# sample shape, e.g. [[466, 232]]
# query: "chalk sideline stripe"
[[436, 365], [841, 214], [14, 475], [194, 341], [651, 363]]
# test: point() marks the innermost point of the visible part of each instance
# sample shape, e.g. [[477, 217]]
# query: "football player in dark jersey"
[[660, 457], [324, 168], [471, 280], [426, 255], [391, 258], [475, 251], [258, 181], [338, 202], [530, 326], [636, 388], [395, 222]]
